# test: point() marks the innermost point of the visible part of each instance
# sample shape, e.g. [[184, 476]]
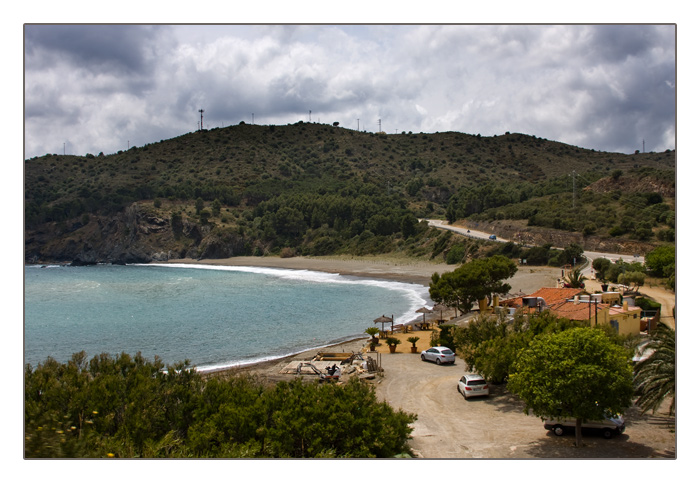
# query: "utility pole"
[[201, 119], [573, 177], [309, 115], [253, 118], [380, 125], [643, 146], [358, 123]]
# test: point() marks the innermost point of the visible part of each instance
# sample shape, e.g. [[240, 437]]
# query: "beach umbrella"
[[424, 310], [383, 320], [440, 307]]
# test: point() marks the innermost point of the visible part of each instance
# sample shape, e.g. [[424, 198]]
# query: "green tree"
[[204, 216], [578, 373], [572, 254], [655, 376], [473, 281], [659, 259], [490, 344], [575, 278], [634, 279], [601, 265], [289, 222], [216, 207], [456, 254], [198, 205], [408, 226]]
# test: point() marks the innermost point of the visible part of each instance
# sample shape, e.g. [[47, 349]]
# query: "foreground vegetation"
[[130, 407]]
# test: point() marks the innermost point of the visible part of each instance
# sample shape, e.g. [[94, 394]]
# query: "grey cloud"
[[125, 49], [602, 87]]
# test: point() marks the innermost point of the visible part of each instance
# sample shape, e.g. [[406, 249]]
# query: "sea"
[[215, 317]]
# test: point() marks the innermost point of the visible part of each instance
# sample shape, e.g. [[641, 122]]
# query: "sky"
[[104, 87]]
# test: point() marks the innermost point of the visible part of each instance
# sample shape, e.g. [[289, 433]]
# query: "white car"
[[438, 355], [472, 385]]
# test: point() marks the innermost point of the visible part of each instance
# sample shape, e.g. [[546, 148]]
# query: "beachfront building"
[[599, 309]]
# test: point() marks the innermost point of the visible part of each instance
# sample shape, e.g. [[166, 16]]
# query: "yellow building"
[[577, 304]]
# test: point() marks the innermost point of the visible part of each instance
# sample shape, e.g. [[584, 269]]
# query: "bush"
[[646, 304], [131, 407], [287, 252], [659, 259], [455, 255]]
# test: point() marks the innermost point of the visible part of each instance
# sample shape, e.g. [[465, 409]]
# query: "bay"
[[213, 316]]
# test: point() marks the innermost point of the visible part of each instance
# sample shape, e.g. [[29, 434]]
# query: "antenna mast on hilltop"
[[201, 119]]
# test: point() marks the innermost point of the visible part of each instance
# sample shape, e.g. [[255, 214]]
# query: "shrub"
[[131, 407], [392, 341], [455, 255], [287, 252]]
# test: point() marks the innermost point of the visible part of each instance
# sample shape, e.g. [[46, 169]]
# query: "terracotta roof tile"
[[550, 295], [574, 311]]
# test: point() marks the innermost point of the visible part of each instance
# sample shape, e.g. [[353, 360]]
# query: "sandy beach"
[[526, 280]]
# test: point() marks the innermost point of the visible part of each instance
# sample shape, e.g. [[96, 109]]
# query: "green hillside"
[[316, 189]]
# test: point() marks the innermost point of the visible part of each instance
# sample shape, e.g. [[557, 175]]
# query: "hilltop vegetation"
[[315, 189]]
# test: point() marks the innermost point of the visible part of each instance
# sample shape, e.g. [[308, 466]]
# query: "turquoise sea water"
[[214, 316]]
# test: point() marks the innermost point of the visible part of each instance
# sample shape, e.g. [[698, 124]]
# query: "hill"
[[316, 189]]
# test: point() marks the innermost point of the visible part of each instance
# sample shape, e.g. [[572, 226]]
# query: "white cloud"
[[601, 87]]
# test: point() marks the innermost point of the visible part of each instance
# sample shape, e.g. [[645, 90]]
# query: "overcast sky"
[[103, 88]]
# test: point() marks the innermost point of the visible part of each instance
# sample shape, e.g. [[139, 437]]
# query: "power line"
[[573, 177]]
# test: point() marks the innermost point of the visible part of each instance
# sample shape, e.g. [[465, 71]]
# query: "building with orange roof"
[[577, 304]]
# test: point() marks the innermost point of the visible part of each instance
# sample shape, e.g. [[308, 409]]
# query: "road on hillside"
[[442, 224]]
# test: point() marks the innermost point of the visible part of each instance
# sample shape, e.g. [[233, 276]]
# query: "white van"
[[608, 427]]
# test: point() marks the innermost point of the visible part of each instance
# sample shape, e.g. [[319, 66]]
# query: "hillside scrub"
[[316, 189], [602, 208]]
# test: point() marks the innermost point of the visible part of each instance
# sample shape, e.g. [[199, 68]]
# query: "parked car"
[[472, 385], [438, 355], [608, 427], [492, 237]]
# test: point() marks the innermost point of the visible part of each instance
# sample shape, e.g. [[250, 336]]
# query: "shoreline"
[[526, 280], [270, 369], [403, 270], [398, 270]]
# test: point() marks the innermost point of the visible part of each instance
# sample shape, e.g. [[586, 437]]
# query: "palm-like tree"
[[575, 278], [655, 376]]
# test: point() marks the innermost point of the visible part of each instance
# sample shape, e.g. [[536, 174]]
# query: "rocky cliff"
[[136, 235]]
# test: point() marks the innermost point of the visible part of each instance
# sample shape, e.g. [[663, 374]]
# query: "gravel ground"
[[448, 426]]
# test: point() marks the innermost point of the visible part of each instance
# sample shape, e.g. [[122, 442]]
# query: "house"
[[576, 304]]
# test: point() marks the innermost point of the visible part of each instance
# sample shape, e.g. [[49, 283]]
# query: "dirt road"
[[448, 426]]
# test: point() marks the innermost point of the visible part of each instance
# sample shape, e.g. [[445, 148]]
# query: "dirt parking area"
[[448, 426]]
